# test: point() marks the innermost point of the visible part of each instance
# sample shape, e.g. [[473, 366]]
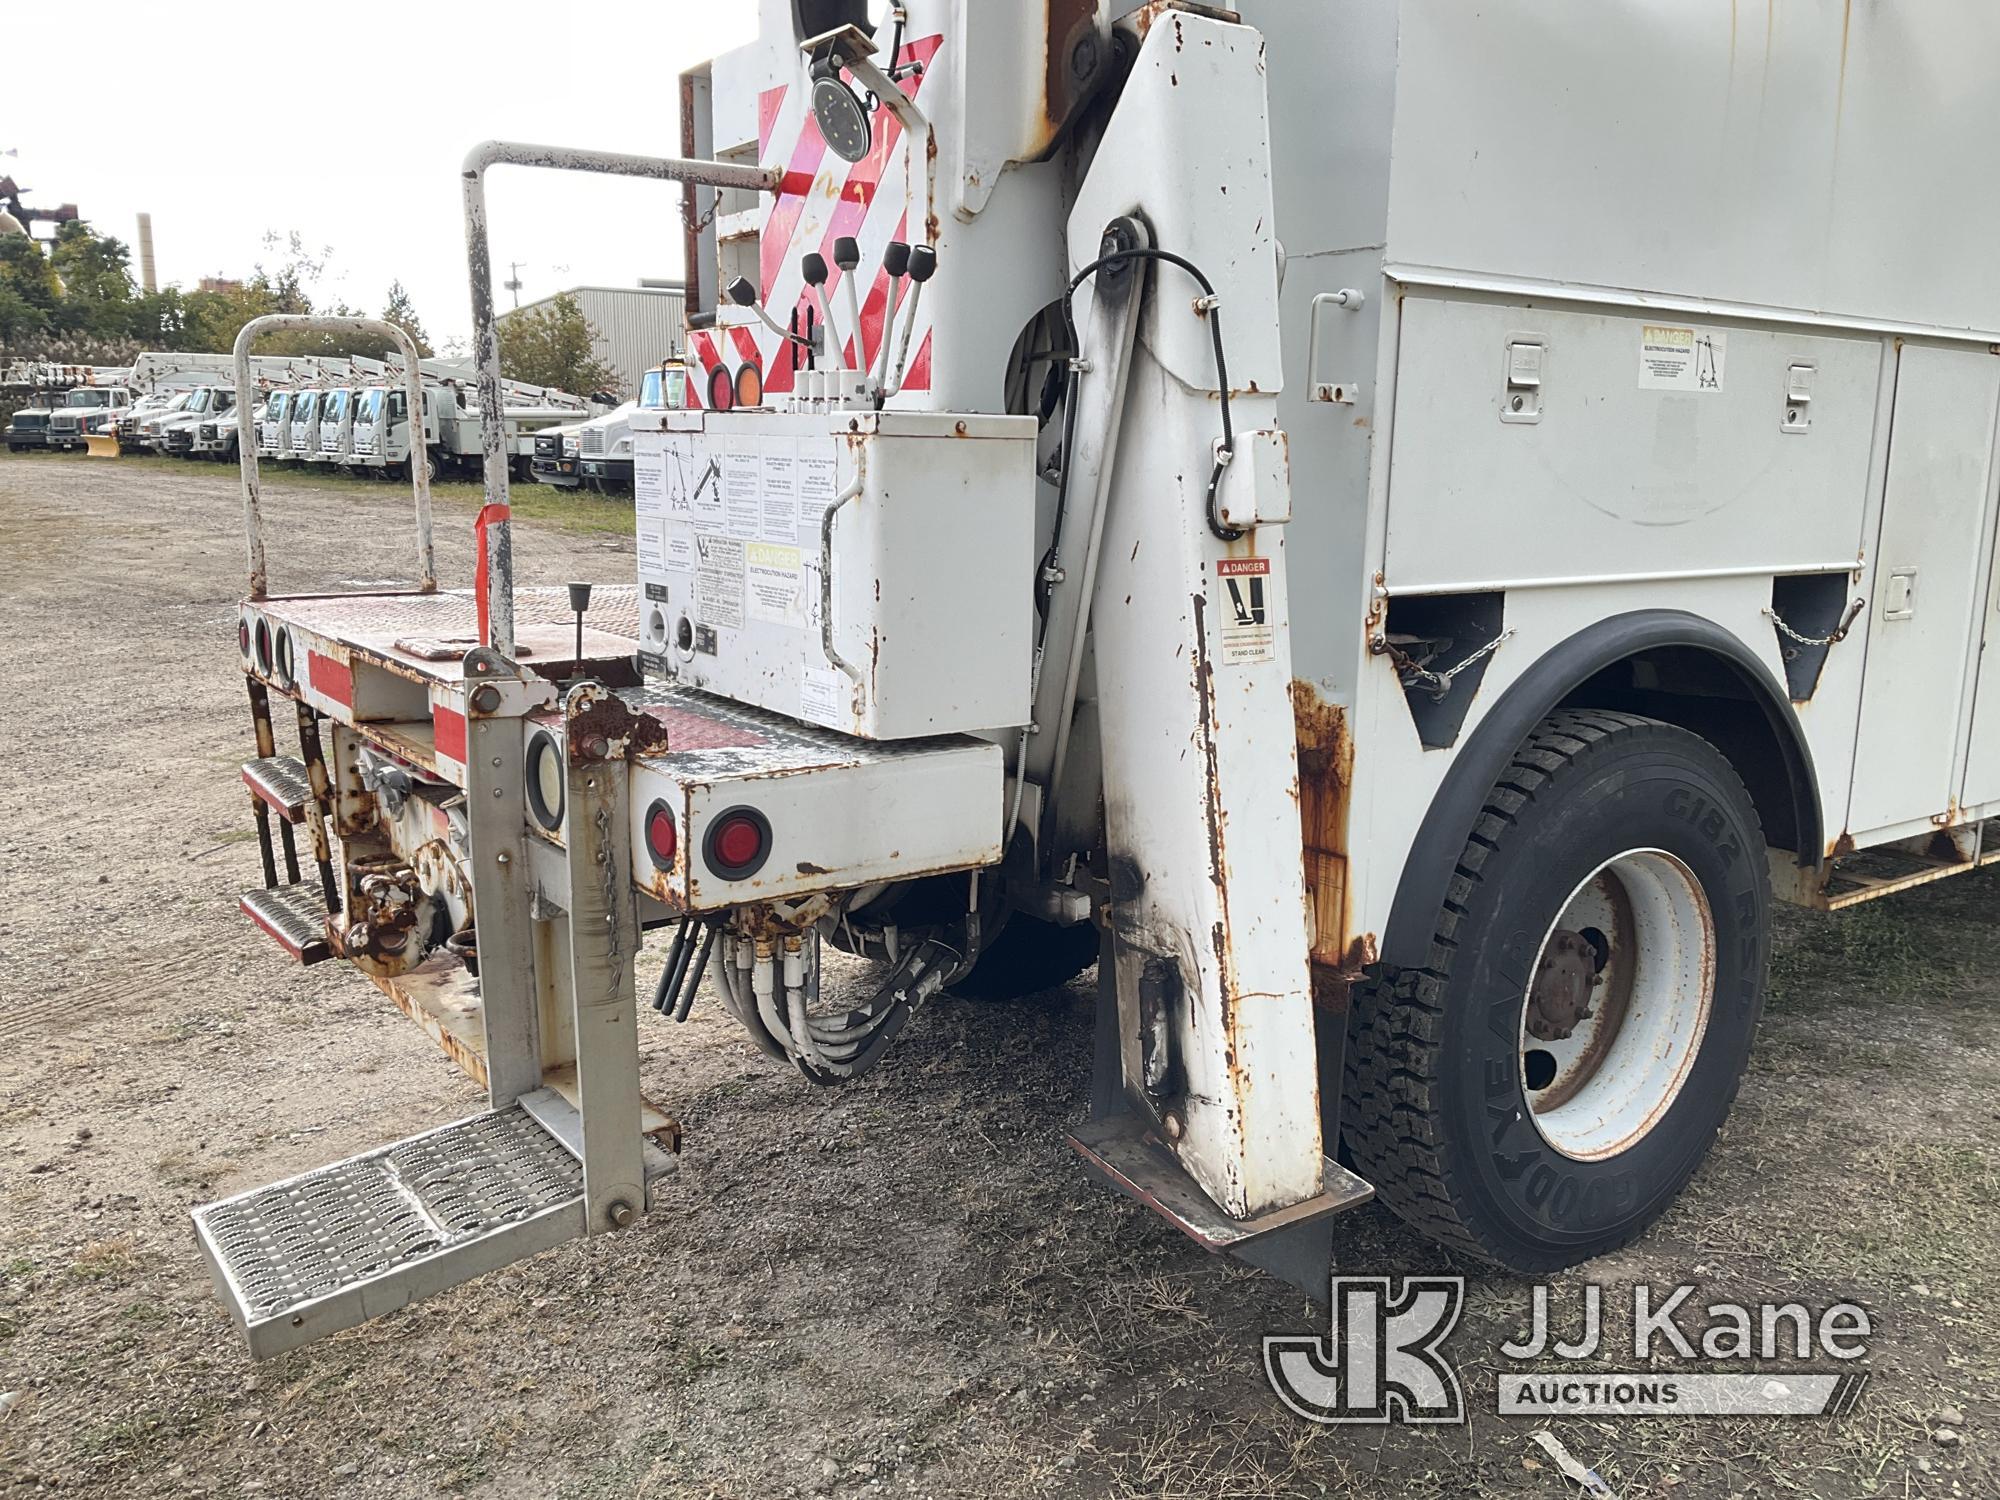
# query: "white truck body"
[[1594, 534]]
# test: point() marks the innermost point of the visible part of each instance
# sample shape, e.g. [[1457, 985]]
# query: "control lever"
[[847, 255], [896, 262], [813, 267], [579, 601], [923, 266], [743, 294]]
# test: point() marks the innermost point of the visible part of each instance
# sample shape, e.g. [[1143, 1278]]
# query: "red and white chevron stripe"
[[820, 200]]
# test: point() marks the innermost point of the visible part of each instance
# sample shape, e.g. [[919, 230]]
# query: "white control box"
[[927, 564]]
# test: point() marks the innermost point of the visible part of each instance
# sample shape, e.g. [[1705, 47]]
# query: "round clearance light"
[[243, 637], [545, 780], [750, 386], [843, 118], [663, 840], [261, 645], [281, 657], [738, 843], [721, 389]]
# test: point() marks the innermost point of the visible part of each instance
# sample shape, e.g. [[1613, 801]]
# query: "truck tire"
[[1029, 957], [1545, 1086]]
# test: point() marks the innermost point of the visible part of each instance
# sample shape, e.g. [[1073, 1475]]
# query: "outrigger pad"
[[309, 1256]]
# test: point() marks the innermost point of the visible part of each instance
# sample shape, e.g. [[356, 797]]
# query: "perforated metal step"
[[293, 917], [281, 782], [317, 1253]]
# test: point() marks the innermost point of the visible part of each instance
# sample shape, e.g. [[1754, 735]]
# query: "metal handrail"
[[498, 555], [246, 433]]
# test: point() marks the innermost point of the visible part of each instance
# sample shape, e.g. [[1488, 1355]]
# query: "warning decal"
[[1244, 610], [719, 581], [1681, 359]]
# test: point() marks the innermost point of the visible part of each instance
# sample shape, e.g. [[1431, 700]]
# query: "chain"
[[1839, 635], [1437, 684]]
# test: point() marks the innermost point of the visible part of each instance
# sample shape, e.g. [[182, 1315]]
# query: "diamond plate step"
[[332, 1248], [293, 917], [281, 782]]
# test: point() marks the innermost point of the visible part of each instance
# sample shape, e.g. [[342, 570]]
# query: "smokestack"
[[146, 277]]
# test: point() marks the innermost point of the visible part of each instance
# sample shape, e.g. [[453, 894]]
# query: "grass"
[[113, 1260], [573, 511]]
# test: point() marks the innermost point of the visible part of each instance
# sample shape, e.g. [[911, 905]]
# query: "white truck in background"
[[452, 424], [603, 446]]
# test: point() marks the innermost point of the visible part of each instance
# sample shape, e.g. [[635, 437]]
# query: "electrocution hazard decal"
[[1244, 610], [1682, 359]]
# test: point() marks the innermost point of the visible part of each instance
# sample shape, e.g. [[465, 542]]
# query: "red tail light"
[[663, 840], [738, 843]]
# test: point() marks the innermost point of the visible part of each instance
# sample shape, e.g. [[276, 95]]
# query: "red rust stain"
[[1326, 777], [1841, 846]]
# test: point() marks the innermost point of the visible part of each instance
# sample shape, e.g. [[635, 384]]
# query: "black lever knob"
[[742, 293], [814, 268], [847, 252], [579, 598], [923, 263], [896, 259]]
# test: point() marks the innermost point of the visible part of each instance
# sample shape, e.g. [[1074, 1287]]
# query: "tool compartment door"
[[1980, 796], [1928, 566]]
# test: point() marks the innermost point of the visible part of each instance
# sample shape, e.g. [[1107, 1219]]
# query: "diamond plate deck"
[[334, 1247], [294, 917], [426, 636], [281, 782]]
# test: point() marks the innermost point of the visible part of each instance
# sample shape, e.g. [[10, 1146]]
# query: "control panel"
[[870, 572]]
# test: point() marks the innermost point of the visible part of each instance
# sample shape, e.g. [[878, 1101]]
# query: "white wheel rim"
[[1604, 1087]]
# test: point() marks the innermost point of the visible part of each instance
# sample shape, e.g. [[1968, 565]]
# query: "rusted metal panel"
[[1326, 784]]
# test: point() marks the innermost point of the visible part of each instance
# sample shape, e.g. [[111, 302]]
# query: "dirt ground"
[[905, 1288]]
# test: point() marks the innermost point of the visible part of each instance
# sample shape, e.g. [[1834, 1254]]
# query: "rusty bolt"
[[619, 1213], [595, 747], [486, 699], [1083, 57]]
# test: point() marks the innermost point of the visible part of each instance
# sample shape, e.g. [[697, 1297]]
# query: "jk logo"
[[1380, 1361]]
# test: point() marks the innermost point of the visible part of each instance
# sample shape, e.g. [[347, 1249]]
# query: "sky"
[[147, 122]]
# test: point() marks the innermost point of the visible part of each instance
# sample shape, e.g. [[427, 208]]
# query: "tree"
[[30, 292], [96, 275], [401, 311], [554, 344]]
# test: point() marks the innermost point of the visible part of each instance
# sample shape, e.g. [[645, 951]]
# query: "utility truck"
[[603, 455], [452, 423], [1397, 530]]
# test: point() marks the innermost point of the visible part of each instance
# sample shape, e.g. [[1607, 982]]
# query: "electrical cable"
[[1228, 449]]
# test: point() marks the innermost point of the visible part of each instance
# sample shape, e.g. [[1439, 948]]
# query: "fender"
[[1539, 691]]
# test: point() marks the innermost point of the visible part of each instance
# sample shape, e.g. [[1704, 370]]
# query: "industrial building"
[[636, 326]]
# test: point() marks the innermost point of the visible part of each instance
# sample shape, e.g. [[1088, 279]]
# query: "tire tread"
[[1392, 1105]]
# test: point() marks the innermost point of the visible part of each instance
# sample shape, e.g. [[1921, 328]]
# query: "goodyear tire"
[[1545, 1086]]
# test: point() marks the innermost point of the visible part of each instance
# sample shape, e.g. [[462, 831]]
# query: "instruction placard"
[[1248, 636], [1675, 358], [719, 581]]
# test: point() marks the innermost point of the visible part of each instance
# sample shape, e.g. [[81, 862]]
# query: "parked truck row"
[[344, 414]]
